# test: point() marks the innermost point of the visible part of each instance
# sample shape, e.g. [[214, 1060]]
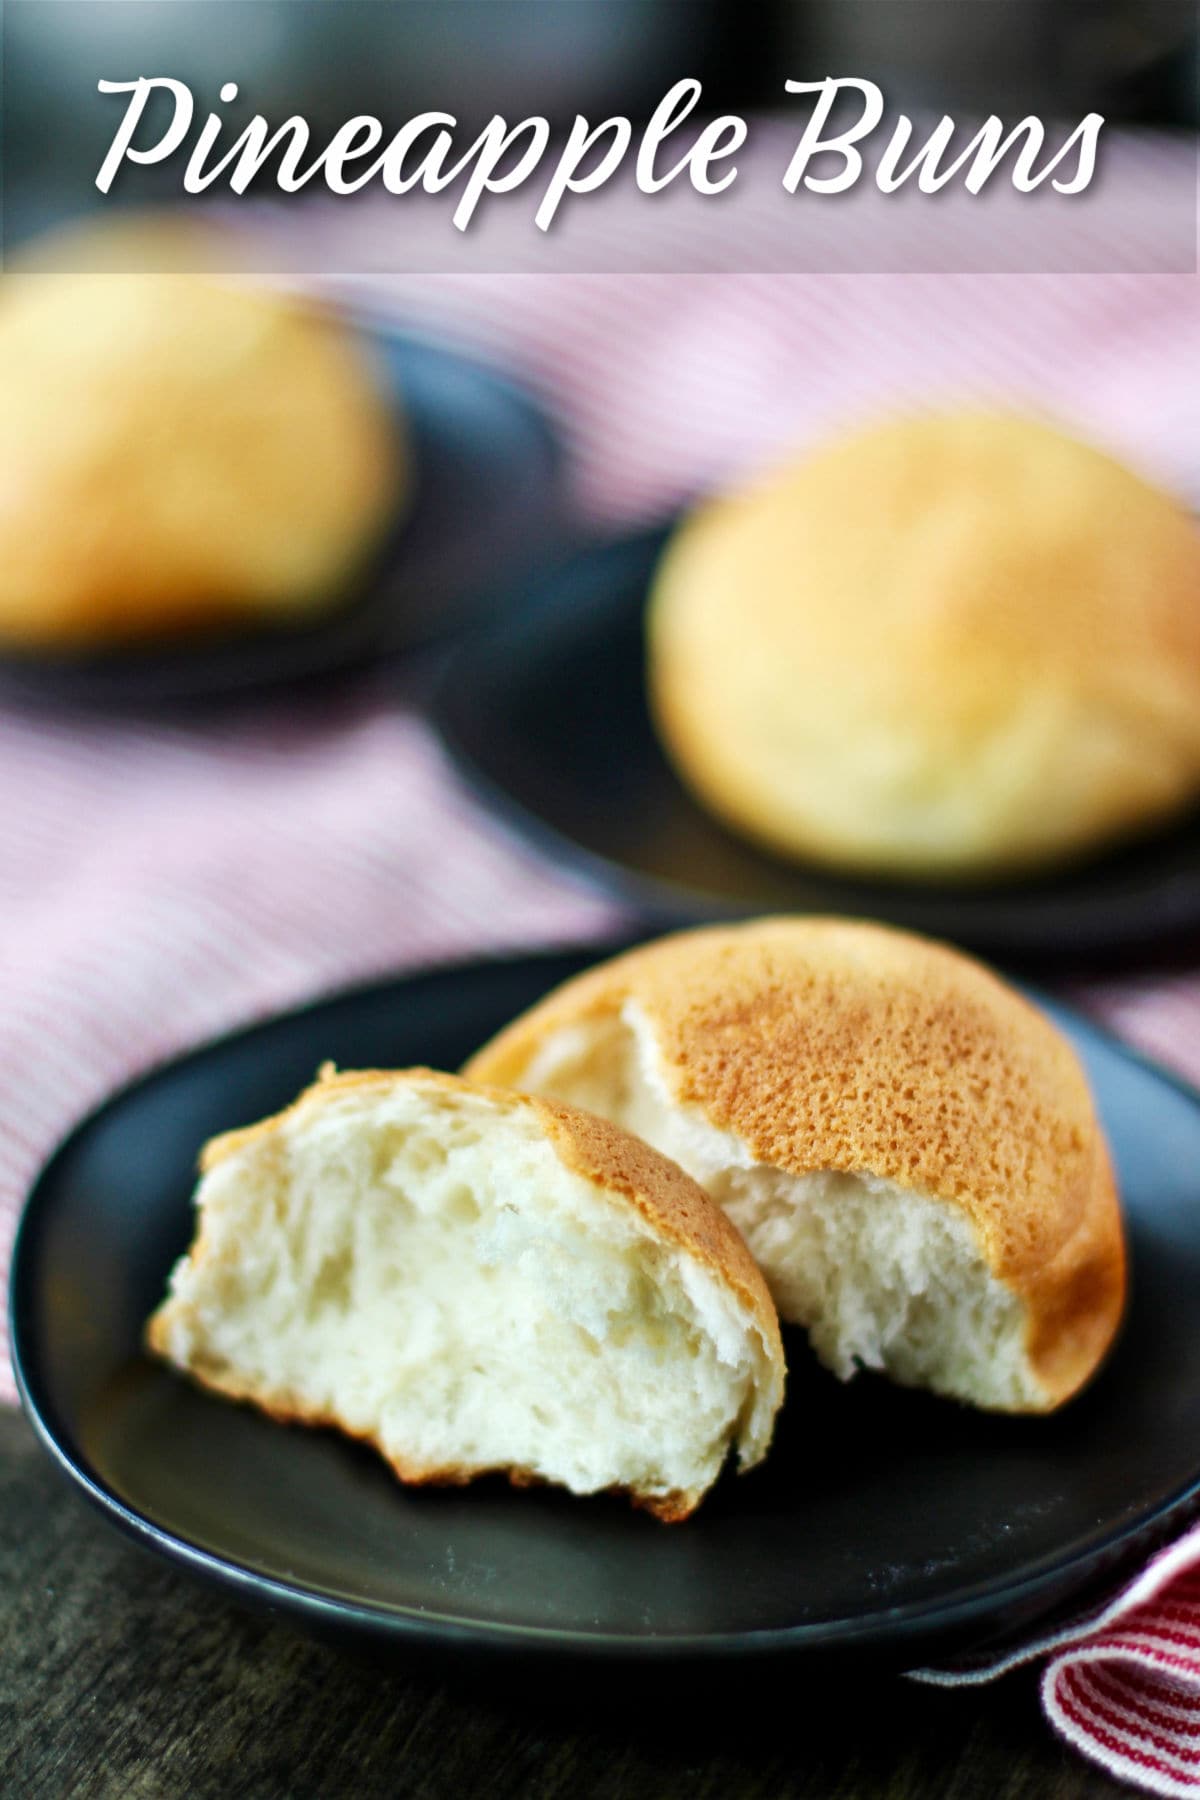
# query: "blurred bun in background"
[[178, 451], [947, 646]]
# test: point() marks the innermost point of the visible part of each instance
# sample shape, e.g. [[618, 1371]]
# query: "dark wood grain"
[[121, 1679]]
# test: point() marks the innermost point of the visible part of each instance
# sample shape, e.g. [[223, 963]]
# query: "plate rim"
[[667, 898], [934, 1626]]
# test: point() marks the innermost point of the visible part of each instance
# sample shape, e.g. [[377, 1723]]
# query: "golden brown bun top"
[[825, 1044], [673, 1205], [180, 450], [979, 547]]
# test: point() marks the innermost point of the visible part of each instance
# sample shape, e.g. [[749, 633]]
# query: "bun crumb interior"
[[477, 1281]]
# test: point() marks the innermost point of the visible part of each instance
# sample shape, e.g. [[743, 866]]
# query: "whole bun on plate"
[[947, 646], [179, 450], [908, 1146]]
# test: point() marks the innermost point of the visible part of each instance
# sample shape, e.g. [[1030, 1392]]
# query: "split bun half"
[[908, 1146], [474, 1281]]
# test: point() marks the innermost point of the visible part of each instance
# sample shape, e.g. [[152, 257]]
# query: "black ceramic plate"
[[885, 1524], [486, 509], [547, 714]]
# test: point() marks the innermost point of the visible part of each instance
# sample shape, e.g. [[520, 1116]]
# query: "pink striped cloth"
[[161, 882], [1122, 1683]]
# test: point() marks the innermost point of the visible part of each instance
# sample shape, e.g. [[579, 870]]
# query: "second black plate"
[[547, 714]]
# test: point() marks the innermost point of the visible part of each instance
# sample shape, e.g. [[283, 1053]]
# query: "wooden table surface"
[[121, 1678]]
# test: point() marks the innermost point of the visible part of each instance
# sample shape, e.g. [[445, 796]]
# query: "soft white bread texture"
[[909, 1147], [179, 452], [475, 1280], [954, 646]]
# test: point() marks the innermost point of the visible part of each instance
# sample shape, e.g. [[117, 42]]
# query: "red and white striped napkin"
[[159, 882], [1122, 1682]]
